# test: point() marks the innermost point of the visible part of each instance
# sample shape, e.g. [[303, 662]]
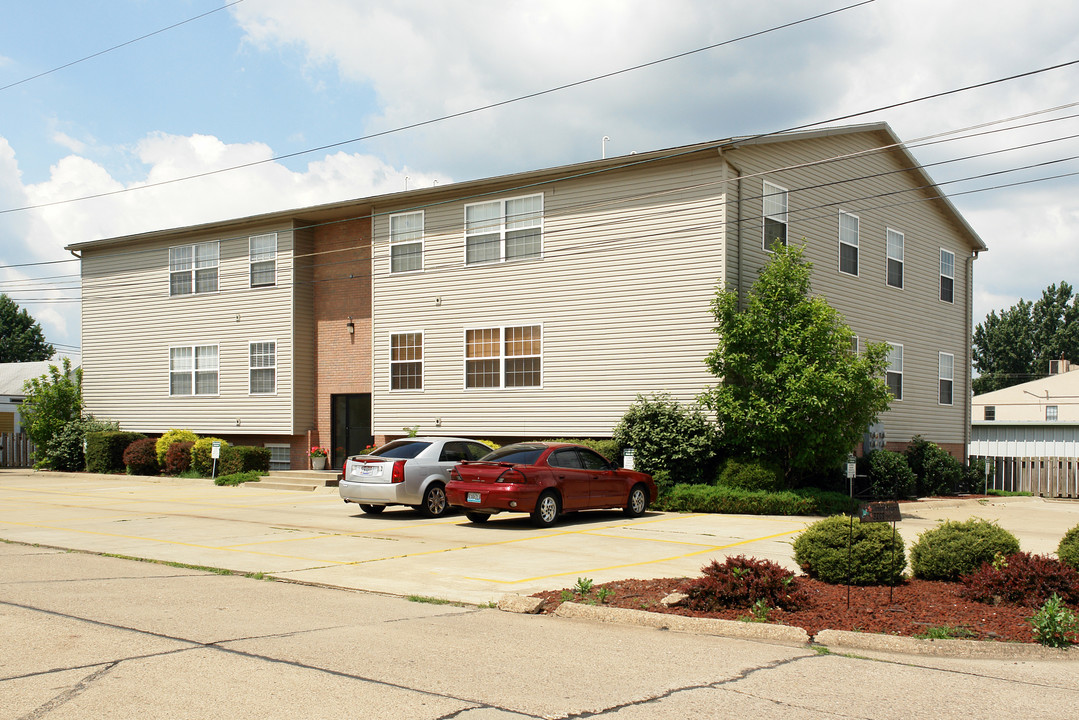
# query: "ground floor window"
[[280, 456]]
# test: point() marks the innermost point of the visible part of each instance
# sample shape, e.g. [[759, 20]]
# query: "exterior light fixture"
[[351, 326]]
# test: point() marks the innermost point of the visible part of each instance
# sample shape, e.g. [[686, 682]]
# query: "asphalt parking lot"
[[313, 537]]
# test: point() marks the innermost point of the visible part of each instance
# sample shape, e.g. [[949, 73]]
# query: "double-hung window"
[[848, 243], [895, 258], [193, 370], [193, 268], [990, 413], [775, 215], [262, 251], [262, 368], [406, 361], [945, 370], [504, 230], [894, 374], [406, 242], [1051, 413], [947, 276], [507, 357]]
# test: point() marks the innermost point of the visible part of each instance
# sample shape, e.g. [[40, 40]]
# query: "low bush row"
[[175, 453], [734, 501]]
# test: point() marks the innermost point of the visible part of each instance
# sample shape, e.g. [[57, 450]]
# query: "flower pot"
[[318, 463]]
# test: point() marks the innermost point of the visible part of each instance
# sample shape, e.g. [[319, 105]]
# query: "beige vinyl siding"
[[629, 264], [912, 316], [129, 322], [303, 333]]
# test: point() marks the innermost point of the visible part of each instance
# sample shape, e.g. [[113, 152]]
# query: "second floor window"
[[947, 276], [504, 230], [193, 370], [193, 268], [848, 243], [262, 250], [895, 258], [406, 242], [775, 215]]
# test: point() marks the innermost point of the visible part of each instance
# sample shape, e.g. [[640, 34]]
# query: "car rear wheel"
[[637, 502], [372, 509], [546, 512], [477, 517], [434, 501]]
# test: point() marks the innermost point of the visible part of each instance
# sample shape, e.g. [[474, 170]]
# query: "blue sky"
[[265, 78]]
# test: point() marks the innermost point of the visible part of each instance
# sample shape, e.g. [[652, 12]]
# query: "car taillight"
[[454, 475], [512, 475], [397, 475]]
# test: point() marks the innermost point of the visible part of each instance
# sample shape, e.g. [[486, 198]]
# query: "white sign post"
[[215, 453]]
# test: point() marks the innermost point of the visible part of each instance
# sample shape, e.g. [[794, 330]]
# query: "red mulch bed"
[[910, 608]]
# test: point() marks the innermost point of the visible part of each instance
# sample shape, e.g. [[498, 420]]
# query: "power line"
[[117, 47], [443, 118]]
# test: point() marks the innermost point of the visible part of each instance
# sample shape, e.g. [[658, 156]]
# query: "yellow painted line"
[[712, 548]]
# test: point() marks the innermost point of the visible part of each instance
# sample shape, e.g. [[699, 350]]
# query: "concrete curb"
[[834, 640]]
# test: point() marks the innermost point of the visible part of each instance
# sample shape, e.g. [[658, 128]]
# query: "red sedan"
[[546, 480]]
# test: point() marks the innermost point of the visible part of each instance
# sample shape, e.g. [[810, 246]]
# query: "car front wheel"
[[546, 512], [434, 501], [637, 502]]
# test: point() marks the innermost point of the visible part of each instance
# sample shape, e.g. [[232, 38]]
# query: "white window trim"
[[855, 345], [251, 367], [951, 379], [251, 259], [501, 357], [1056, 411], [194, 370], [502, 231], [396, 243], [901, 259], [951, 277], [986, 410], [900, 373], [856, 245], [423, 361], [194, 269], [773, 189]]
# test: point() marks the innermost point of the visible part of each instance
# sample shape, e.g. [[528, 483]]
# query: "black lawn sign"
[[871, 512]]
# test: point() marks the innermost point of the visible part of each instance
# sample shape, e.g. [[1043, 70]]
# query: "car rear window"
[[402, 449], [519, 454]]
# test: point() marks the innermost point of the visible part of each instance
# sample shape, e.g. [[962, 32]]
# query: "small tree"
[[793, 392], [668, 436], [52, 401], [21, 337]]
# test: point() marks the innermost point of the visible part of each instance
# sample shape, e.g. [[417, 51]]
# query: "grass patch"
[[945, 632], [431, 600], [239, 478], [1008, 493]]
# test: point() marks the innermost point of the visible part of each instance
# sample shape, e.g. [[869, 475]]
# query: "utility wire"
[[117, 47]]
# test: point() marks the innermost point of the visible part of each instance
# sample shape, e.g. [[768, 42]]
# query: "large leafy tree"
[[1017, 345], [21, 338], [793, 392]]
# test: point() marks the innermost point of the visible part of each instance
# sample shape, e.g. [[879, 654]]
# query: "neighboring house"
[[1028, 434], [12, 378], [534, 305]]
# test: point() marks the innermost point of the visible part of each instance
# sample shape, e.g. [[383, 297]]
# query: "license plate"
[[472, 497], [370, 470]]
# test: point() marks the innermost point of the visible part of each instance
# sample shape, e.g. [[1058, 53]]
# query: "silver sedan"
[[410, 471]]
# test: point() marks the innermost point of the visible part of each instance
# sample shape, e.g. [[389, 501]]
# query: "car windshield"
[[402, 449], [519, 454]]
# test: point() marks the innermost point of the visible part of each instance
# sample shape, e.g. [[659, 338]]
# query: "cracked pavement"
[[84, 635]]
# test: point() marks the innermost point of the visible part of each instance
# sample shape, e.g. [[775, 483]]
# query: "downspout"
[[968, 400]]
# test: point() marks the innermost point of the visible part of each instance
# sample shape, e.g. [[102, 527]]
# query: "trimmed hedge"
[[243, 458], [954, 549], [890, 477], [606, 447], [732, 501], [201, 461], [748, 474], [1068, 549], [178, 458], [140, 457], [831, 548], [172, 436], [105, 450]]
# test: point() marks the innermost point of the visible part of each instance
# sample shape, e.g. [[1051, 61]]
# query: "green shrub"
[[140, 457], [732, 501], [238, 478], [201, 462], [172, 436], [739, 582], [667, 435], [889, 475], [828, 549], [178, 458], [748, 474], [243, 458], [1054, 624], [936, 472], [1068, 549], [606, 447], [105, 450], [958, 548], [64, 449]]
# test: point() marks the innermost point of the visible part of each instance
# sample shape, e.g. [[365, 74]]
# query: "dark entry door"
[[350, 416]]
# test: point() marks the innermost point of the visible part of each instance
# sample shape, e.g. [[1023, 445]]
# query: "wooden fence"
[[16, 451], [1044, 476]]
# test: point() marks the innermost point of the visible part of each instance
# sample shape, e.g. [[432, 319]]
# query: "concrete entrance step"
[[302, 480]]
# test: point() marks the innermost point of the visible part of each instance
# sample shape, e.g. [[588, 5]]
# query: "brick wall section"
[[341, 269]]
